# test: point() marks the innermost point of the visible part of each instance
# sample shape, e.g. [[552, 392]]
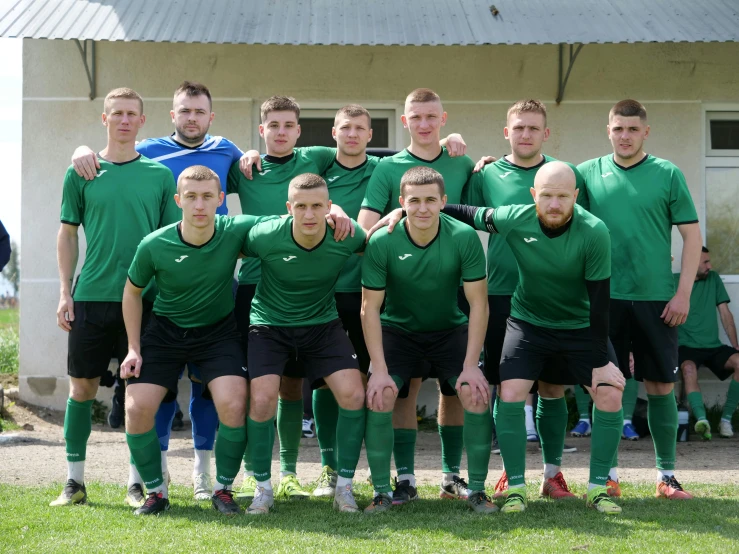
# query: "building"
[[679, 57]]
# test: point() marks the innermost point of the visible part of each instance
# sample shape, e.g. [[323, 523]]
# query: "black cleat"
[[404, 492], [178, 423], [155, 504], [73, 493], [223, 501], [117, 413]]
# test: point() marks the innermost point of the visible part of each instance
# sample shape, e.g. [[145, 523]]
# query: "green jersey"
[[639, 204], [383, 190], [552, 270], [119, 207], [501, 184], [700, 330], [266, 194], [298, 284], [421, 282], [195, 282], [346, 187]]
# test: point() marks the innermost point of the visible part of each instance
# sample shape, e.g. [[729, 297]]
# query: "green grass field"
[[709, 523], [10, 318]]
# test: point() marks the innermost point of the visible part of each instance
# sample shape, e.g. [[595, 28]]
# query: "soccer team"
[[578, 275]]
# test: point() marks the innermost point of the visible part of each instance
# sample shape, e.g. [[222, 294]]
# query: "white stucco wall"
[[477, 84]]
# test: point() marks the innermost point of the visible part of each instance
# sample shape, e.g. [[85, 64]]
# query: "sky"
[[11, 108]]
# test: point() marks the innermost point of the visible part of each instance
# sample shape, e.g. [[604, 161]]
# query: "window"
[[722, 190]]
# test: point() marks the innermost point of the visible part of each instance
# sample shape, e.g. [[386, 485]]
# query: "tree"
[[12, 271]]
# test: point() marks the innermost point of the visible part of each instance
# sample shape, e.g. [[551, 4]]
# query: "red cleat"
[[669, 488], [555, 488], [501, 487], [614, 488]]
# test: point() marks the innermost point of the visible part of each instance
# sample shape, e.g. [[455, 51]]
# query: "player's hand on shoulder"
[[676, 310], [131, 366], [376, 387], [455, 145], [389, 221], [85, 163], [65, 312], [608, 374], [482, 162], [472, 381], [250, 159], [340, 223]]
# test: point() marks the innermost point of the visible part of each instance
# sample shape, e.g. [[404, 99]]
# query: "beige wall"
[[476, 83]]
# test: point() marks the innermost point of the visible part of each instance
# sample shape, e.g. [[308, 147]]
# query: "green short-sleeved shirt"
[[195, 282], [639, 204], [119, 207], [421, 282], [346, 187], [298, 285], [504, 183], [383, 190], [700, 330], [551, 290], [266, 194]]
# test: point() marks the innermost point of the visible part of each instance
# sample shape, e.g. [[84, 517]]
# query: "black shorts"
[[636, 326], [98, 335], [556, 356], [349, 306], [713, 358], [166, 348], [500, 310], [318, 350], [440, 353]]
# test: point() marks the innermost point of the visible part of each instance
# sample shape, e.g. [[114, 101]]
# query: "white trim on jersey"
[[210, 144]]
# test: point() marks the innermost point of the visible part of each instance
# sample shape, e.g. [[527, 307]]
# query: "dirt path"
[[40, 457]]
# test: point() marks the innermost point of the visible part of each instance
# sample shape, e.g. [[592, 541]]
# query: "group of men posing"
[[578, 276]]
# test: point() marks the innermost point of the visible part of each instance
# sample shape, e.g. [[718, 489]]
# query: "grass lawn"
[[709, 523], [10, 318]]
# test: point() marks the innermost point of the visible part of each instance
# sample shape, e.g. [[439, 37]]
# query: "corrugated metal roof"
[[374, 22]]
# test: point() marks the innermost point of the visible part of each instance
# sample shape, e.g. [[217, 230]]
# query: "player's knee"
[[139, 414], [291, 389], [690, 372], [232, 411], [511, 394], [548, 390], [262, 407], [82, 390], [352, 399], [467, 401], [658, 389], [608, 399]]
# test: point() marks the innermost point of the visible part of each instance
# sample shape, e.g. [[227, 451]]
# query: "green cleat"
[[249, 485], [703, 428], [598, 499], [515, 502], [291, 489], [73, 493]]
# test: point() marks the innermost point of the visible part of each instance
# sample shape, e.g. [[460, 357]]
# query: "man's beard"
[[554, 226], [199, 139]]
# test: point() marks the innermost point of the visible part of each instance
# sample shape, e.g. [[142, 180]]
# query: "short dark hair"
[[191, 88], [198, 173], [307, 181], [706, 250], [279, 104], [422, 95], [528, 106], [629, 108], [422, 175], [353, 110]]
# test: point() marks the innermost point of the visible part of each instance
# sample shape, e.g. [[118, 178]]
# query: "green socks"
[[147, 457], [510, 422], [404, 450], [478, 433], [606, 435], [662, 418], [378, 441], [229, 450], [583, 403], [350, 435], [289, 429], [261, 441], [77, 429], [452, 443], [551, 424], [695, 399], [732, 399], [631, 390], [326, 414]]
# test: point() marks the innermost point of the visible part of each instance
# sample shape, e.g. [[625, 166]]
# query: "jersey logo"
[[531, 239], [265, 172], [404, 256], [506, 174], [332, 179], [100, 173], [354, 356], [604, 175], [181, 258], [289, 258], [243, 369], [676, 370]]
